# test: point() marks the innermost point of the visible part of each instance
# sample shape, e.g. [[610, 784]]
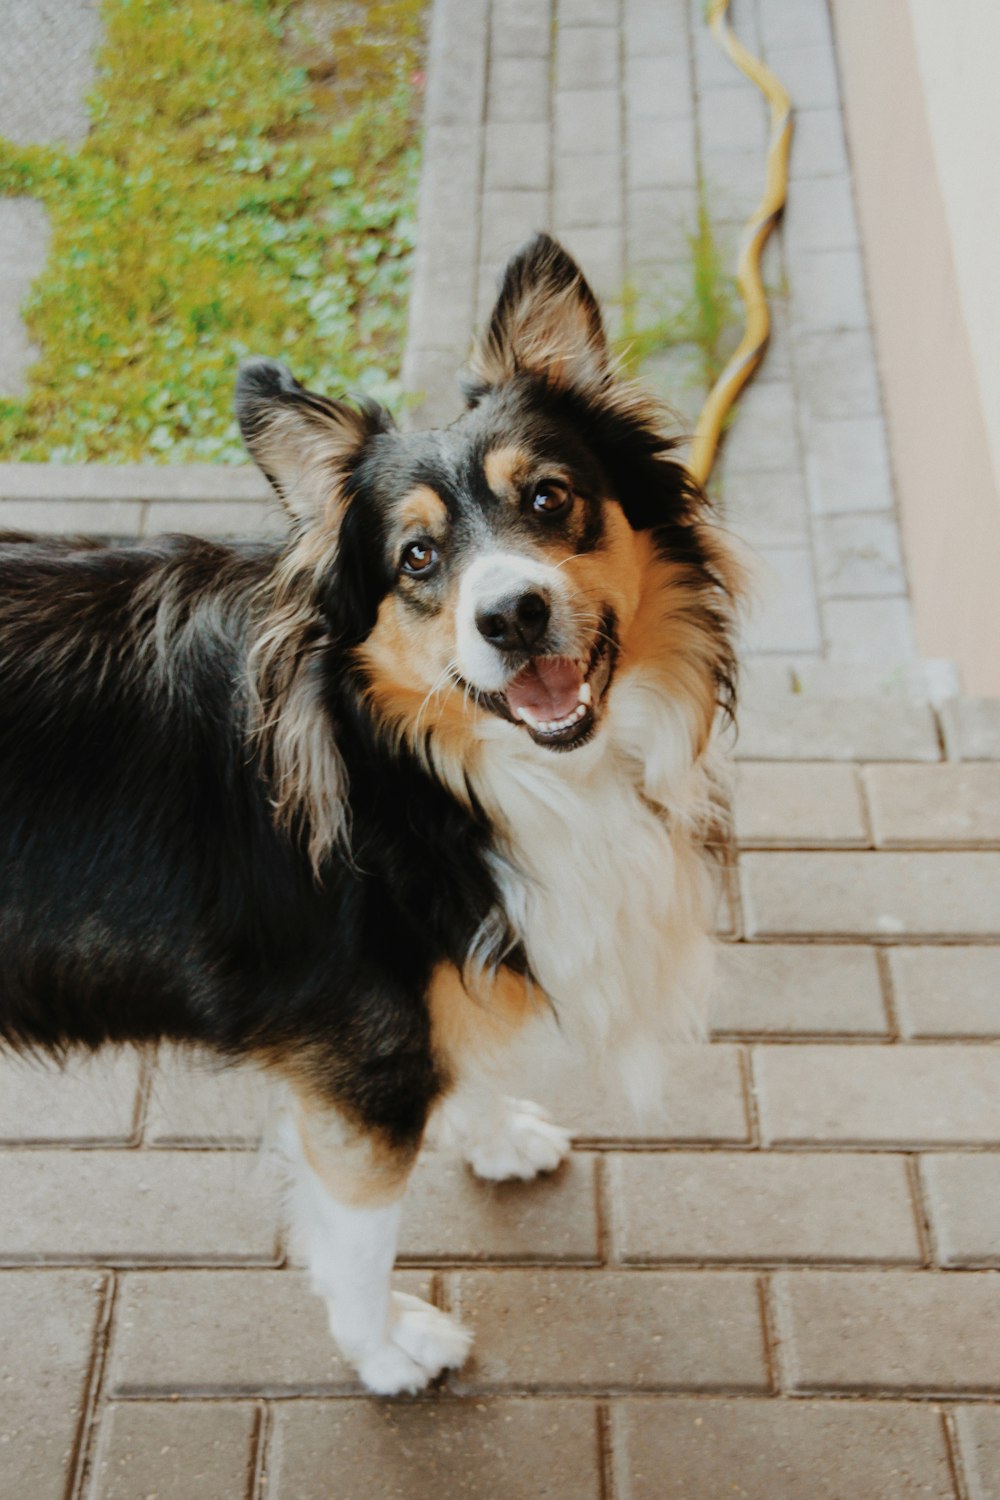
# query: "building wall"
[[923, 121]]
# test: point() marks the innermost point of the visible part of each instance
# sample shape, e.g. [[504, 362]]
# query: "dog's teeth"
[[552, 726], [584, 693]]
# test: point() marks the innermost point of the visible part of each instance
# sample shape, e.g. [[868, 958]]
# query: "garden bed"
[[247, 187]]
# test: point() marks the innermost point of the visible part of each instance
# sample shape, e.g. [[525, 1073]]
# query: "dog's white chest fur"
[[600, 884]]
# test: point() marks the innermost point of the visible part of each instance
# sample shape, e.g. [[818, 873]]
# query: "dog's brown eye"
[[420, 558], [550, 498]]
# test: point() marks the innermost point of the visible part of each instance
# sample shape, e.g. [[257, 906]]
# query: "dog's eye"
[[420, 558], [551, 498]]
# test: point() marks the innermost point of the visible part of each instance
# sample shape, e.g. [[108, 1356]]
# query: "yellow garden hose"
[[748, 279]]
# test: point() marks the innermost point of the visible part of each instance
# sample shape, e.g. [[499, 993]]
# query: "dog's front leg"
[[347, 1203]]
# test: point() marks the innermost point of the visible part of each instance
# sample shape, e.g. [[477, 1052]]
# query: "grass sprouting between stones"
[[704, 318]]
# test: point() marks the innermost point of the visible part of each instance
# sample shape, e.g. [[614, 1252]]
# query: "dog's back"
[[124, 777]]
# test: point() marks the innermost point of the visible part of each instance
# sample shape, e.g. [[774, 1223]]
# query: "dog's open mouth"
[[557, 698]]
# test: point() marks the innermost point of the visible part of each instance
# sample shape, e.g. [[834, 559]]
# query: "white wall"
[[958, 54], [923, 124]]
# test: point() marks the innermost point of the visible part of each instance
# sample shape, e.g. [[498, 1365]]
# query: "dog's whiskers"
[[434, 691]]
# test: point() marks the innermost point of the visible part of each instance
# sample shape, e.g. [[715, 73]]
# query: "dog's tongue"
[[548, 687]]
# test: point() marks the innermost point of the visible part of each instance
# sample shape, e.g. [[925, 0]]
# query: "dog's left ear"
[[303, 443], [546, 322]]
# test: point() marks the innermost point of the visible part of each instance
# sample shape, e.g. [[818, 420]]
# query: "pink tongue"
[[549, 688]]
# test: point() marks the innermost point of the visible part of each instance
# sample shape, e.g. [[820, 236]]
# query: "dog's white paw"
[[423, 1341], [527, 1144]]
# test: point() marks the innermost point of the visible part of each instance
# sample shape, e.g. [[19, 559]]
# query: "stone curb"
[[216, 482]]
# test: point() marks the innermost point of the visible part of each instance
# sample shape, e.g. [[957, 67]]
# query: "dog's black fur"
[[145, 891]]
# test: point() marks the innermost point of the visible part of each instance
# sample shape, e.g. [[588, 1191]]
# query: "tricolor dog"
[[370, 807]]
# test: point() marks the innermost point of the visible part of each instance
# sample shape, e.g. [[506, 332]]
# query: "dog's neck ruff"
[[599, 879]]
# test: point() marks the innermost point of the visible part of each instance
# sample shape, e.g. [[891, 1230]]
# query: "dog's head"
[[492, 571]]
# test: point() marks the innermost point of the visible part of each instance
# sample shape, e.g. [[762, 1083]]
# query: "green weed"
[[705, 317]]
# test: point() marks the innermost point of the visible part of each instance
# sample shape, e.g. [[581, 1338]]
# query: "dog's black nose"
[[514, 624]]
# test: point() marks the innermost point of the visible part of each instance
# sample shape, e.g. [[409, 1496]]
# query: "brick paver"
[[900, 1331], [690, 1450], [24, 243], [946, 991], [781, 990], [828, 728], [805, 804], [226, 1333], [933, 1095], [611, 1330], [91, 1100], [457, 1218], [47, 66], [871, 895], [704, 1100], [972, 728], [481, 1449], [978, 1429], [155, 1206], [920, 807], [49, 1321], [753, 1206], [963, 1202], [193, 1102], [176, 1452]]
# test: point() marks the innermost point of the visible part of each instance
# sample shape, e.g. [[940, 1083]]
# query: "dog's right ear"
[[303, 443], [546, 323]]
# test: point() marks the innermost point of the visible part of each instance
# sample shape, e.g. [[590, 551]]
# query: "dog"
[[432, 778]]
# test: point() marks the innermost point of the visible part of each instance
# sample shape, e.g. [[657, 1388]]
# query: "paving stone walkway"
[[606, 121], [785, 1288]]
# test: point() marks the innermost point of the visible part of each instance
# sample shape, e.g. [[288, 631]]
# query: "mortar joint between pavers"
[[263, 1429], [608, 1489], [440, 1291], [604, 1211], [624, 138], [949, 751], [949, 737], [695, 101], [953, 1446], [95, 1399], [770, 1334], [750, 1102], [888, 989], [733, 891], [550, 187], [922, 1210], [860, 778], [925, 845]]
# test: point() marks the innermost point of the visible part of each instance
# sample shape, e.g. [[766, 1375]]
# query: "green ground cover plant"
[[247, 187]]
